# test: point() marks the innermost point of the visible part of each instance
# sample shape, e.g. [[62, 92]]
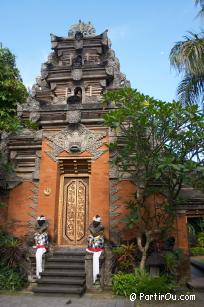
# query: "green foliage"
[[6, 169], [10, 278], [3, 237], [11, 250], [201, 224], [200, 239], [191, 234], [12, 272], [197, 251], [125, 257], [158, 143], [187, 57], [173, 261], [163, 142], [12, 91], [191, 230], [140, 282], [161, 146], [2, 205], [170, 260], [201, 4]]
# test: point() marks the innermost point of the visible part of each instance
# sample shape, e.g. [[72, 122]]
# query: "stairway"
[[64, 273]]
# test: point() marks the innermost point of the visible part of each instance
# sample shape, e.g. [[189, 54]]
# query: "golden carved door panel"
[[74, 211]]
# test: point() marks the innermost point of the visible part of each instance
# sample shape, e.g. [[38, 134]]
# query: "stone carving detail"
[[74, 210], [77, 74], [33, 207], [41, 84], [52, 58], [87, 29], [74, 117], [31, 106], [69, 210], [37, 165], [77, 62], [113, 69], [80, 213], [79, 134]]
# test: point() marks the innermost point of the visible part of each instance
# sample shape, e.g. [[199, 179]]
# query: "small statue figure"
[[77, 97], [78, 36], [77, 61], [96, 243], [96, 237], [41, 242]]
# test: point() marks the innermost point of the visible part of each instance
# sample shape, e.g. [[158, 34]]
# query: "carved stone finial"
[[87, 29], [74, 116]]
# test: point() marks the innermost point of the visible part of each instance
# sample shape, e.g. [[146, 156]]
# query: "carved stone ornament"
[[31, 106], [77, 74], [74, 117], [87, 29], [79, 134], [47, 191], [109, 70]]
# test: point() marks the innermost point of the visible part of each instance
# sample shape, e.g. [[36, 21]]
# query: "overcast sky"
[[142, 35]]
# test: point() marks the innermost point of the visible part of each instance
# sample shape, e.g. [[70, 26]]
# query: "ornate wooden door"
[[74, 211]]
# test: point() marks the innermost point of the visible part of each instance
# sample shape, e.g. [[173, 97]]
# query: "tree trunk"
[[143, 260], [144, 248]]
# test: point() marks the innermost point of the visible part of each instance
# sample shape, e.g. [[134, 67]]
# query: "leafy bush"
[[200, 239], [11, 250], [172, 261], [197, 251], [140, 282], [12, 265], [10, 278], [3, 237], [125, 257]]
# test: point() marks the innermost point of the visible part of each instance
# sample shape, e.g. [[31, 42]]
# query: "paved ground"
[[88, 300], [91, 300]]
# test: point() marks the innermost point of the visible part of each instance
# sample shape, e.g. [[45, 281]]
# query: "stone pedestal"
[[89, 270]]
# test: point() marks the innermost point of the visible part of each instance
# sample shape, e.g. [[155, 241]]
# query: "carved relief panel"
[[74, 211]]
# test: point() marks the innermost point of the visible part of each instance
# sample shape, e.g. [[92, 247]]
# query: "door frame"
[[61, 202]]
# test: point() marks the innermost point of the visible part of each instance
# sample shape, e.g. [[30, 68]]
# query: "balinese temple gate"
[[62, 169]]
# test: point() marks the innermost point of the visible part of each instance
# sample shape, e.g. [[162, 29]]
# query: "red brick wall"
[[181, 233], [99, 191], [125, 191], [20, 200], [49, 179]]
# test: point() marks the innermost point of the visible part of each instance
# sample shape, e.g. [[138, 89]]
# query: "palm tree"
[[187, 57], [201, 12]]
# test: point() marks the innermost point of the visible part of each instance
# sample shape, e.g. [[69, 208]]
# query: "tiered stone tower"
[[62, 169], [82, 63]]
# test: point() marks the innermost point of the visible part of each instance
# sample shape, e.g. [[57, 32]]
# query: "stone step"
[[61, 281], [59, 290], [66, 259], [68, 266], [70, 252], [196, 283], [64, 273], [74, 273]]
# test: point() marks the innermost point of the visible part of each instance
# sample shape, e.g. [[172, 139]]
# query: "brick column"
[[182, 231]]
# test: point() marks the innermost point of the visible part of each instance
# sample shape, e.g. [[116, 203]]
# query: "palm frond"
[[191, 90], [188, 55], [201, 4]]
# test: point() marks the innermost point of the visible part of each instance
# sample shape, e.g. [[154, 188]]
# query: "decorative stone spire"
[[87, 29]]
